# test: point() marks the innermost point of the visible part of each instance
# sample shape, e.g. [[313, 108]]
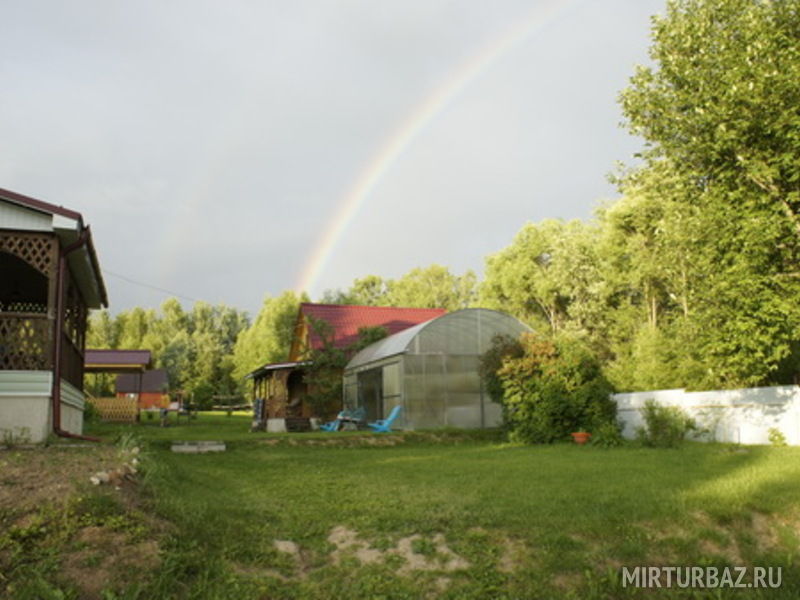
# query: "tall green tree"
[[546, 277], [269, 338], [433, 287], [718, 111], [195, 347]]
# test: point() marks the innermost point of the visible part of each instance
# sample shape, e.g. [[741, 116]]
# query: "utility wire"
[[147, 285]]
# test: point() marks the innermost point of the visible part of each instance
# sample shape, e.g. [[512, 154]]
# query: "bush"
[[503, 347], [665, 426], [776, 437], [608, 435], [323, 376], [90, 413], [203, 395], [554, 388]]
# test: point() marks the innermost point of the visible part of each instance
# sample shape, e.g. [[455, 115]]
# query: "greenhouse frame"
[[431, 370]]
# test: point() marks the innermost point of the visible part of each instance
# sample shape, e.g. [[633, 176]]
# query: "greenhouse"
[[431, 371]]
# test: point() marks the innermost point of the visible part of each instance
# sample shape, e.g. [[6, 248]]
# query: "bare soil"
[[42, 485]]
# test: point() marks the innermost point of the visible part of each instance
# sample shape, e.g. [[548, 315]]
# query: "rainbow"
[[410, 128]]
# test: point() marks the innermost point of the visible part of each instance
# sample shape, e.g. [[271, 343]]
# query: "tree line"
[[690, 279]]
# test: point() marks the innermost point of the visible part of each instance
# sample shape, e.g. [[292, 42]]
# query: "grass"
[[479, 517]]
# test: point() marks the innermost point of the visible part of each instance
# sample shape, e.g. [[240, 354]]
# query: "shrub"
[[90, 413], [323, 376], [665, 426], [608, 435], [776, 437], [554, 388], [503, 347]]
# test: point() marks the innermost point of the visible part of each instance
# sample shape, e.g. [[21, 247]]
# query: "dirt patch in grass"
[[441, 559], [106, 556], [714, 539], [31, 477], [514, 555], [764, 531], [347, 542], [101, 535], [439, 556]]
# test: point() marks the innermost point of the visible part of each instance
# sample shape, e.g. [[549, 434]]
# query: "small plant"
[[665, 426], [608, 435], [16, 436], [423, 546], [90, 413], [776, 437]]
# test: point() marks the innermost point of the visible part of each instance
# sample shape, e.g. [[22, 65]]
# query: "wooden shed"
[[150, 388]]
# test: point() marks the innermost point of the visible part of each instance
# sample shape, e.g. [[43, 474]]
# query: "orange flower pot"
[[581, 437]]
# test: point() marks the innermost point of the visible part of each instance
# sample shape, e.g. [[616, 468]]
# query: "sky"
[[222, 151]]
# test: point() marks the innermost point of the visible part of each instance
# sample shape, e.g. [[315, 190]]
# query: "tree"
[[719, 116], [722, 102], [195, 347], [546, 277], [371, 290], [433, 287], [269, 338]]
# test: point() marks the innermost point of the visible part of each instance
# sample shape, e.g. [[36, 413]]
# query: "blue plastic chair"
[[385, 425], [330, 426]]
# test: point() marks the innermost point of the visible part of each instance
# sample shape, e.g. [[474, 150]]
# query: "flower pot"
[[581, 437]]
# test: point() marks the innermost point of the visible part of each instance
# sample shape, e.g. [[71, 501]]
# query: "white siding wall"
[[740, 416], [72, 405], [25, 407], [13, 216]]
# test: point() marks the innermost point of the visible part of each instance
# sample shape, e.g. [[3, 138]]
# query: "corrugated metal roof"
[[347, 319], [151, 381], [117, 357]]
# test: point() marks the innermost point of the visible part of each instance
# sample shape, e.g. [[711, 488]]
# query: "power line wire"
[[147, 285]]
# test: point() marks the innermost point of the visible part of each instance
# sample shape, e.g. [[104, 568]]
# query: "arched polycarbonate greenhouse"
[[431, 370]]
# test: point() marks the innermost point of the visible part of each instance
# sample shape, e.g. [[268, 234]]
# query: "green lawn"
[[455, 516]]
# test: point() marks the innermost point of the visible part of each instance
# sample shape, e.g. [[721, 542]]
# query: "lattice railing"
[[75, 314], [116, 409], [36, 249], [40, 308], [26, 342]]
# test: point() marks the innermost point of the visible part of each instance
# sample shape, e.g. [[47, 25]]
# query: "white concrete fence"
[[740, 416]]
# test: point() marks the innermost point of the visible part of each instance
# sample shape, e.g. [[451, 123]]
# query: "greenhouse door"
[[370, 393]]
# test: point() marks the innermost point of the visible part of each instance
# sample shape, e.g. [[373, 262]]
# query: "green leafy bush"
[[776, 437], [665, 426], [553, 388], [503, 347], [607, 435], [323, 376]]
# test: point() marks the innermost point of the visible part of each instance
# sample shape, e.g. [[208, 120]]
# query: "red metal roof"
[[347, 319]]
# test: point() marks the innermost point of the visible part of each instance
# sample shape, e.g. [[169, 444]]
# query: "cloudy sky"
[[223, 150]]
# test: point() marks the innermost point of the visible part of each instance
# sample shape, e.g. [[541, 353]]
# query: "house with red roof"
[[279, 388]]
